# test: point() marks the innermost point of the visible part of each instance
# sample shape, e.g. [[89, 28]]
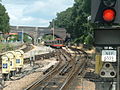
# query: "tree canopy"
[[4, 20], [74, 20]]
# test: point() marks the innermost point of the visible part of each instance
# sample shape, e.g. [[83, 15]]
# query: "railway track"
[[49, 75], [64, 72], [35, 66], [33, 69], [79, 67]]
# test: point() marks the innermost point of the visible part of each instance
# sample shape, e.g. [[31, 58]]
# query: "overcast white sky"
[[34, 12]]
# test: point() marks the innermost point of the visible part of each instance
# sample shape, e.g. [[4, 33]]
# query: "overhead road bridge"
[[37, 32]]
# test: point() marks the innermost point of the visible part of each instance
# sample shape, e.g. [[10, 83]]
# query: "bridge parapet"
[[36, 32]]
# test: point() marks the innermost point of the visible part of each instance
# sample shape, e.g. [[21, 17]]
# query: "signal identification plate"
[[109, 55]]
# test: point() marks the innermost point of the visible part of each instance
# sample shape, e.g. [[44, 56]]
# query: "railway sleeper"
[[83, 71], [65, 66], [66, 70], [47, 70]]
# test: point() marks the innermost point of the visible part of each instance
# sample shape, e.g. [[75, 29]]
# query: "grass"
[[2, 46], [5, 47]]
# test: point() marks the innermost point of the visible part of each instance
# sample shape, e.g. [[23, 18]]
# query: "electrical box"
[[11, 55], [5, 64], [19, 58]]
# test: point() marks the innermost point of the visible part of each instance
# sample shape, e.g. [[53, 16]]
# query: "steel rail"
[[77, 68], [70, 62], [53, 74], [48, 76]]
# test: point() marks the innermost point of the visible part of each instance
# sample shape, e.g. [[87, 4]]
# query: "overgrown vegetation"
[[48, 37], [5, 47], [75, 21], [27, 38], [15, 38]]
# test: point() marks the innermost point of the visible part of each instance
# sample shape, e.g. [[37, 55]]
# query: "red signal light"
[[108, 15]]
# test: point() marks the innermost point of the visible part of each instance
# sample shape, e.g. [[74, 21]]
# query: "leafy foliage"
[[48, 37], [4, 20], [13, 38], [26, 38], [75, 21]]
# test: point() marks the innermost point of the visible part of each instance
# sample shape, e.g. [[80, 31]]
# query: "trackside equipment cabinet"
[[11, 55], [19, 59], [5, 64], [5, 67]]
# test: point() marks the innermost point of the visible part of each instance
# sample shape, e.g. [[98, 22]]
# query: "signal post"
[[106, 13]]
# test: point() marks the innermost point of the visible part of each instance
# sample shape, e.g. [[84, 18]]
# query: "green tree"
[[27, 38], [88, 40], [74, 20], [4, 20]]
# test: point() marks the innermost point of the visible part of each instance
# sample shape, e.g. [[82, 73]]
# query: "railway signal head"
[[105, 11], [108, 15]]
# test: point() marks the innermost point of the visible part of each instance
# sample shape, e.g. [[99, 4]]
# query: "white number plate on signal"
[[109, 55]]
